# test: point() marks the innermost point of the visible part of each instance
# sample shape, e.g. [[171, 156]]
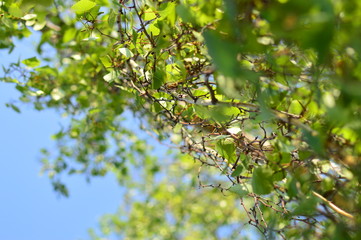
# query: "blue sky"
[[29, 208]]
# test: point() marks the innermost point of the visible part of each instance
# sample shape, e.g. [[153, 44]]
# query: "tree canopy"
[[257, 100]]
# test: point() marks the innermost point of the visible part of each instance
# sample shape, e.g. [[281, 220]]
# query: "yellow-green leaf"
[[169, 13], [83, 6], [15, 10], [31, 62], [106, 61], [226, 149], [149, 16], [154, 29], [295, 107]]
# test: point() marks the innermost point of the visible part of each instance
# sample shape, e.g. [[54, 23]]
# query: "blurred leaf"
[[262, 180], [111, 77], [201, 111], [158, 79], [126, 52], [224, 113], [223, 53], [149, 15], [315, 140], [237, 171], [15, 108], [295, 107], [154, 29], [226, 148], [83, 6], [106, 61], [240, 190], [307, 206], [169, 12], [15, 10], [44, 3], [31, 62], [112, 18], [57, 94]]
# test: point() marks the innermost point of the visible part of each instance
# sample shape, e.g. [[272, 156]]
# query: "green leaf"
[[83, 6], [158, 78], [47, 70], [45, 3], [292, 189], [112, 17], [15, 10], [295, 107], [69, 35], [223, 53], [222, 113], [31, 62], [106, 61], [315, 140], [148, 15], [156, 107], [15, 108], [307, 206], [262, 180], [237, 171], [201, 111], [185, 13], [226, 149], [169, 13], [240, 190], [154, 29]]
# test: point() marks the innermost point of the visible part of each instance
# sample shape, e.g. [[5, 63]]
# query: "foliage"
[[263, 95]]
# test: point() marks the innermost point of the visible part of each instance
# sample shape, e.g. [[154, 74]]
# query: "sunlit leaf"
[[154, 29], [226, 149], [126, 52], [110, 77], [83, 6], [57, 94], [15, 10], [31, 62], [149, 15]]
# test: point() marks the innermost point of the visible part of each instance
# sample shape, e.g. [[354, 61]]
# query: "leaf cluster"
[[262, 95]]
